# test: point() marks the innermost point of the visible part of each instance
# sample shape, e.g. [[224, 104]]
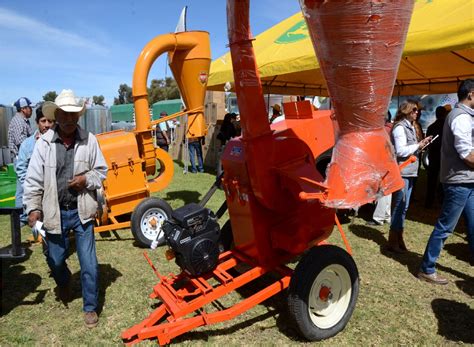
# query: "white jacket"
[[40, 187]]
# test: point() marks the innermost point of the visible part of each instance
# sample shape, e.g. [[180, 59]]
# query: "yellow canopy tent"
[[439, 52]]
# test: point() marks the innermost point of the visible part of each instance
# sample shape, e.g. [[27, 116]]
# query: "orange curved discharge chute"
[[359, 46]]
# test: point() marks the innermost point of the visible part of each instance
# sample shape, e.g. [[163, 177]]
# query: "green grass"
[[393, 308]]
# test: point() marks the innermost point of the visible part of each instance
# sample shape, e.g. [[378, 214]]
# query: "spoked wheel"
[[323, 292], [146, 221]]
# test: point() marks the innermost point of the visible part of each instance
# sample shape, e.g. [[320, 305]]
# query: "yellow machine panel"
[[125, 177]]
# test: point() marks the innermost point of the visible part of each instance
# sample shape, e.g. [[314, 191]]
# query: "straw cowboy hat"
[[66, 101]]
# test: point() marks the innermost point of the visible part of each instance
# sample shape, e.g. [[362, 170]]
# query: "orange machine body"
[[274, 226], [279, 204], [132, 157]]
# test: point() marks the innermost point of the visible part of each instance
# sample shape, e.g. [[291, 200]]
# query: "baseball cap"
[[22, 102]]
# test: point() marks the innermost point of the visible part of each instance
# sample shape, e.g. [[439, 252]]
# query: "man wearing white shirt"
[[457, 177]]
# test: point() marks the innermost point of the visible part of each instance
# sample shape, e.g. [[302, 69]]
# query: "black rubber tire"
[[227, 238], [425, 160], [145, 206], [313, 263]]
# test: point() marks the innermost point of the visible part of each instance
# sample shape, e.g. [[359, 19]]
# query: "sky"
[[92, 46]]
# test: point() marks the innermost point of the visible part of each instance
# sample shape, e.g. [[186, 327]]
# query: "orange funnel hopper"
[[191, 69], [359, 46]]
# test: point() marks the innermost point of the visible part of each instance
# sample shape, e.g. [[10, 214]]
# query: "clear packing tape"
[[359, 46]]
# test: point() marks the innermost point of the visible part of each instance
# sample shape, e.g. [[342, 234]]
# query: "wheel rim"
[[151, 221], [330, 296]]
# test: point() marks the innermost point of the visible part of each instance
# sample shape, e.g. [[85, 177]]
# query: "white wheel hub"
[[330, 296], [151, 222]]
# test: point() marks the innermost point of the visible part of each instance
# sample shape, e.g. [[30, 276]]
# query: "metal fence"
[[97, 119]]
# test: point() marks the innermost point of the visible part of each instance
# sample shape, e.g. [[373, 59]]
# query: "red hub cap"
[[324, 293]]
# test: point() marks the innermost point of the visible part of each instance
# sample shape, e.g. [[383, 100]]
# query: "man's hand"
[[33, 217], [469, 160], [78, 183]]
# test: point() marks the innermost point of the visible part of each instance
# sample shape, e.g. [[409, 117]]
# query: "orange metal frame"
[[183, 295], [198, 292]]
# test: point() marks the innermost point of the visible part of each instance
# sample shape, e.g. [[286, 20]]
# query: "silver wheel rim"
[[151, 221], [330, 296]]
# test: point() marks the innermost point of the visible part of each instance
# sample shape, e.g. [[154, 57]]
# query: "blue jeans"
[[458, 199], [195, 148], [58, 245], [401, 201], [19, 202]]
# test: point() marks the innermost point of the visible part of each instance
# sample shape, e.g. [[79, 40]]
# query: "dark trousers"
[[195, 149], [433, 187]]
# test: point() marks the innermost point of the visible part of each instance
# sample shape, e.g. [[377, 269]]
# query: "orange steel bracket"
[[343, 235], [183, 296]]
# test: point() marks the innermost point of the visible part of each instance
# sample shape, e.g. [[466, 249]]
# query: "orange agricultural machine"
[[280, 206], [137, 168]]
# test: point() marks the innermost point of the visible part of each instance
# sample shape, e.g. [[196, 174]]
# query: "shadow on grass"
[[204, 335], [455, 320], [276, 309], [107, 276], [16, 285], [459, 250], [187, 196], [466, 286], [409, 259]]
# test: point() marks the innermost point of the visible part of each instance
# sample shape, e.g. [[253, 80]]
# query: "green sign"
[[297, 32]]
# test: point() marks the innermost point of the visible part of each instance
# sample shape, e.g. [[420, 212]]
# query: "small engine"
[[193, 234]]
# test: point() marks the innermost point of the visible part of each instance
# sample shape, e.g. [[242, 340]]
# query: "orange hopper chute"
[[359, 46]]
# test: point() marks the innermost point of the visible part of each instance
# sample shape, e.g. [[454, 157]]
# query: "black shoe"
[[374, 223]]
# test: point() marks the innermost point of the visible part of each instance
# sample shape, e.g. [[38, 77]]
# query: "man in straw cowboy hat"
[[66, 168]]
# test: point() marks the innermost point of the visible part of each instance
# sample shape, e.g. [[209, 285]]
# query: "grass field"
[[393, 308]]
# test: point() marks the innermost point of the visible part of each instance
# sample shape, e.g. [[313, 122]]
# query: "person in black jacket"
[[434, 155], [226, 132]]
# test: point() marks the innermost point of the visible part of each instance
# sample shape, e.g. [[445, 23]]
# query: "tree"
[[98, 100], [163, 89], [50, 96], [124, 95]]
